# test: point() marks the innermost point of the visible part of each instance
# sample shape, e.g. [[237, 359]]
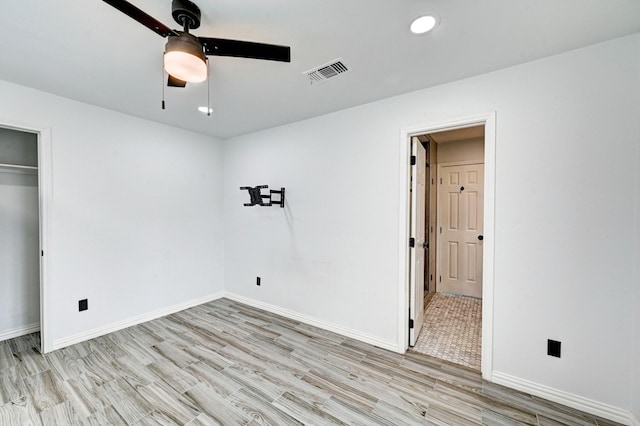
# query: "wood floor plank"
[[293, 384], [65, 366], [156, 418], [209, 357], [202, 420], [23, 343], [19, 412], [441, 415], [400, 416], [126, 401], [249, 380], [350, 394], [61, 414], [96, 368], [304, 411], [12, 386], [142, 353], [342, 409], [175, 353], [6, 356], [85, 402], [259, 409], [219, 410], [31, 362], [107, 416], [222, 384], [169, 405], [490, 418], [179, 379], [487, 403], [46, 390]]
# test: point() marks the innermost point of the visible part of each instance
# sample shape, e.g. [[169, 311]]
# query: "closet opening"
[[20, 239]]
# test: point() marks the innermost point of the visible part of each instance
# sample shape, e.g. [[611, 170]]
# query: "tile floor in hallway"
[[452, 329]]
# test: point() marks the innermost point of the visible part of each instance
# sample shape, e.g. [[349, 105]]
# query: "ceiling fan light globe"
[[185, 66], [184, 59]]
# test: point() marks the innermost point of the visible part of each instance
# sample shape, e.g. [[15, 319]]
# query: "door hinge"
[[440, 181], [413, 160], [42, 253], [412, 242], [428, 165], [410, 323], [440, 278]]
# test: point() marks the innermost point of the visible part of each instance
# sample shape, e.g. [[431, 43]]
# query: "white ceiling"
[[88, 51]]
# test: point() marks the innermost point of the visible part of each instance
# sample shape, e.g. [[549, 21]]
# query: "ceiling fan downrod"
[[186, 13]]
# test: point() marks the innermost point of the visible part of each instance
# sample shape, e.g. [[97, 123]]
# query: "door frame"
[[487, 119], [44, 198]]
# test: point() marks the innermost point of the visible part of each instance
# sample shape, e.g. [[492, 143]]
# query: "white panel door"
[[460, 222], [418, 179]]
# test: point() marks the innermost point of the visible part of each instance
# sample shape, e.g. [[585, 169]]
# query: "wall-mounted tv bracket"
[[257, 197]]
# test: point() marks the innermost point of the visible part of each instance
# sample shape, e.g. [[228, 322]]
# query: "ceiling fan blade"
[[175, 82], [140, 16], [245, 49]]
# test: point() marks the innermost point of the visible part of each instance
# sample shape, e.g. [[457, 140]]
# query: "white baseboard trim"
[[19, 331], [587, 405], [100, 331], [343, 331]]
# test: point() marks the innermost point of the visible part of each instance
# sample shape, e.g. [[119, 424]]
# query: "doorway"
[[452, 318], [22, 224], [458, 235]]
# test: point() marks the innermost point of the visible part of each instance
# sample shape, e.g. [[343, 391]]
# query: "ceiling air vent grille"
[[324, 72]]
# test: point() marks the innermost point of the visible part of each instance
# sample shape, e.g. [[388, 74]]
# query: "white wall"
[[135, 211], [635, 392], [565, 172], [19, 243]]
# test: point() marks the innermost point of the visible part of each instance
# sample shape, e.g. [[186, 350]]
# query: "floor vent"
[[324, 72]]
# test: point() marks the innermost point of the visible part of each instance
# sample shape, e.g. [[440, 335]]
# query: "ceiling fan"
[[185, 54]]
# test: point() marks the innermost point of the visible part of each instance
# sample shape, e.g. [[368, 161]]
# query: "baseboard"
[[343, 331], [100, 331], [587, 405], [19, 331]]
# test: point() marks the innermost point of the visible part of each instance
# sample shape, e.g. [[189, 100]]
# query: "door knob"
[[480, 237]]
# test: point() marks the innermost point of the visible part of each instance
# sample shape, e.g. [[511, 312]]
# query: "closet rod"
[[16, 166]]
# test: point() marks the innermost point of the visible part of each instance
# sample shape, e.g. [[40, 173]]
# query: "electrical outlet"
[[83, 305], [258, 281], [553, 348]]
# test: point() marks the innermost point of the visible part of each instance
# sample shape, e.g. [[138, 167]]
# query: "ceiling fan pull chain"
[[162, 73], [208, 90]]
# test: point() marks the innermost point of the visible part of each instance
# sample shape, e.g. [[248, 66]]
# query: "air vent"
[[324, 72]]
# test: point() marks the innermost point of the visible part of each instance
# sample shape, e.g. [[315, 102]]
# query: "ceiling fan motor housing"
[[186, 13]]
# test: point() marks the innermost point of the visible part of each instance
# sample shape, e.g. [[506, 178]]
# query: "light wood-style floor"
[[226, 363]]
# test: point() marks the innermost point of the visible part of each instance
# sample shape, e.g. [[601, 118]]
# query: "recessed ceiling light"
[[423, 24], [204, 110]]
